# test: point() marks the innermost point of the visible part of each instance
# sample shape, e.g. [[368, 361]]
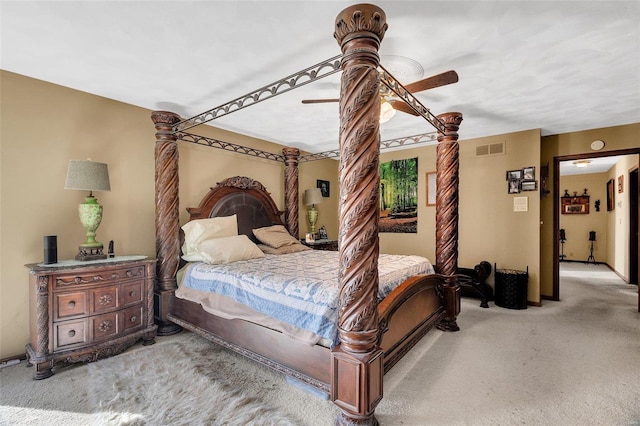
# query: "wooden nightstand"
[[330, 245], [86, 311]]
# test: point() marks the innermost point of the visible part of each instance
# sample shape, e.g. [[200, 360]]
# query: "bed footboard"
[[408, 313]]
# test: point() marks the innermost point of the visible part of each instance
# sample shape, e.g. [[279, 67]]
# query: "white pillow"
[[228, 249], [200, 230], [274, 236]]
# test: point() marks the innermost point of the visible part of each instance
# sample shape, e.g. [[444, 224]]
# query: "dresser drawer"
[[70, 305], [104, 299], [97, 277], [88, 310], [133, 318], [131, 293], [69, 334], [105, 326]]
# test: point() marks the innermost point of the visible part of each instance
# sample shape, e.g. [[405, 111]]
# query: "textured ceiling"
[[559, 66]]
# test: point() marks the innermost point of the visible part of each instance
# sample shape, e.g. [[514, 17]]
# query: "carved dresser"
[[85, 311]]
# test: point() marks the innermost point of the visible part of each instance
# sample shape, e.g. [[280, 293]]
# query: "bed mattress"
[[295, 293]]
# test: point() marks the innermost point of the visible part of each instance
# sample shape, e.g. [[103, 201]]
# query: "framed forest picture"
[[399, 196]]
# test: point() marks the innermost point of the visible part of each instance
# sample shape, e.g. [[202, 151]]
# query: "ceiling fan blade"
[[319, 101], [402, 106], [443, 79]]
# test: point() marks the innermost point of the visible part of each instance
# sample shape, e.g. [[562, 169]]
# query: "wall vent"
[[490, 149]]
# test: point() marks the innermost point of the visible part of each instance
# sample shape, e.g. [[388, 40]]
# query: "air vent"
[[490, 149]]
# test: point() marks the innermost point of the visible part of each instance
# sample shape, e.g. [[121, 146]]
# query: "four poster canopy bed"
[[367, 314]]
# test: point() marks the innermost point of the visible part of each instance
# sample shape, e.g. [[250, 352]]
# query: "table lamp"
[[312, 197], [89, 176]]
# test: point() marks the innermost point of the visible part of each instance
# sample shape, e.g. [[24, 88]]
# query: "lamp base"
[[90, 253]]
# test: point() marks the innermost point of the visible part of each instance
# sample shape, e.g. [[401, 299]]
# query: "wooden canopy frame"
[[357, 362]]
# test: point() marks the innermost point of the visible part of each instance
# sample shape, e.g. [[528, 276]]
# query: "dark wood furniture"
[[473, 282], [373, 336], [329, 245], [405, 315], [86, 312]]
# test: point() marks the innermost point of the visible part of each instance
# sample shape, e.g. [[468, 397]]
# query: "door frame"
[[556, 207]]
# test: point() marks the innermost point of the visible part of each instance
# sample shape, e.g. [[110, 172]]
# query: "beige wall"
[[577, 226], [489, 229], [44, 126], [618, 219], [567, 144]]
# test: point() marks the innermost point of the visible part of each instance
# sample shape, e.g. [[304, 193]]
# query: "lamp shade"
[[312, 196], [386, 111], [87, 175]]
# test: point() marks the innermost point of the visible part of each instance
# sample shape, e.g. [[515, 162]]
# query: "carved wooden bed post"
[[357, 362], [447, 166], [291, 156], [167, 218]]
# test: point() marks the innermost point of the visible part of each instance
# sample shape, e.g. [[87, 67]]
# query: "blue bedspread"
[[300, 289]]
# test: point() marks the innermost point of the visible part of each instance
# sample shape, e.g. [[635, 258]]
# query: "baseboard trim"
[[622, 277], [5, 362], [583, 261], [536, 304]]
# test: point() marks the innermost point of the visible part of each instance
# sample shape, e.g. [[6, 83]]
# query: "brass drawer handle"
[[133, 293], [71, 304], [134, 318], [71, 333]]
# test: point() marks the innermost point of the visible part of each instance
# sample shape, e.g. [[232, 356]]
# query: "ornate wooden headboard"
[[244, 197]]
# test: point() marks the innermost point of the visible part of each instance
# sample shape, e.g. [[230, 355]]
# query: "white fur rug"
[[178, 384]]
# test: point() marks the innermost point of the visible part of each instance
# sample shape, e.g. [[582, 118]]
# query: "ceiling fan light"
[[386, 111]]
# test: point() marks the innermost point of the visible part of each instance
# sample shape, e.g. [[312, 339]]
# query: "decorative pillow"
[[291, 248], [274, 236], [228, 249], [200, 230]]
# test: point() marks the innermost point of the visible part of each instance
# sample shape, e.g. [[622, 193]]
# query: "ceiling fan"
[[432, 82]]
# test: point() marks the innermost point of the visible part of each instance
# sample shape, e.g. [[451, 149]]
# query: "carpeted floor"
[[573, 362]]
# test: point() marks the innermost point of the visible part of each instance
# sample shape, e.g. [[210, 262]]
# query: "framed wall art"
[[514, 175], [513, 186], [576, 204], [529, 173], [610, 195], [620, 184], [431, 188], [324, 187]]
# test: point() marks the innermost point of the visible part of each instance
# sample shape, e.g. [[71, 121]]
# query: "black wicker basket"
[[511, 288]]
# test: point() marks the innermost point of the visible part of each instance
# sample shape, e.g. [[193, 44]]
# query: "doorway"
[[556, 212], [634, 258]]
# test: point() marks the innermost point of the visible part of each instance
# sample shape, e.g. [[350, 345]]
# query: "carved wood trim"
[[230, 186], [359, 30], [291, 187], [42, 320], [167, 214], [447, 181]]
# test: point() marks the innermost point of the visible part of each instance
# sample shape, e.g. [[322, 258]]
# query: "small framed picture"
[[529, 185], [431, 188], [620, 184], [514, 175], [529, 173], [324, 187], [514, 186]]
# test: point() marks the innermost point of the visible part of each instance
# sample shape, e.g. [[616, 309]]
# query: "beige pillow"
[[197, 231], [228, 249], [275, 236], [291, 248]]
